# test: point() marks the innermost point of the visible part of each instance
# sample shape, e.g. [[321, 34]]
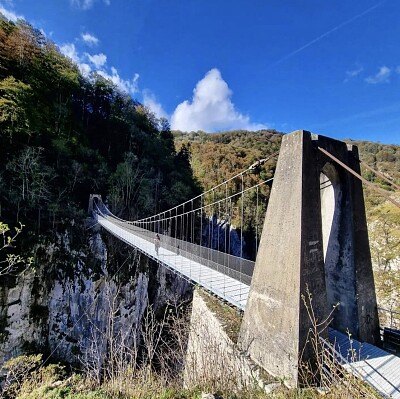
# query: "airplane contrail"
[[317, 39]]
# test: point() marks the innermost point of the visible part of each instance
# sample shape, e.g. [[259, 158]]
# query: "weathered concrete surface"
[[365, 290], [348, 267], [314, 238], [212, 357], [276, 324]]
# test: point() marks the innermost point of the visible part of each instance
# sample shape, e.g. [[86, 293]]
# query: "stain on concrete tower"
[[314, 236]]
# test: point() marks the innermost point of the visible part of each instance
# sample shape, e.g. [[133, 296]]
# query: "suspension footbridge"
[[315, 209], [229, 282]]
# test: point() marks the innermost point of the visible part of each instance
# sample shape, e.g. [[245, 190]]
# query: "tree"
[[65, 135], [14, 99], [166, 135], [126, 182], [9, 262], [30, 179]]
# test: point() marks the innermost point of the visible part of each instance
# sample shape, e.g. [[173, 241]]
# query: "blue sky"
[[328, 66]]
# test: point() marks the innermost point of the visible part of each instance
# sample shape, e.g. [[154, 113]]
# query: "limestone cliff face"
[[77, 298], [219, 234]]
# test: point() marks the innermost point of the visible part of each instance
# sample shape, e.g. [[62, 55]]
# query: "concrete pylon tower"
[[314, 236], [94, 198]]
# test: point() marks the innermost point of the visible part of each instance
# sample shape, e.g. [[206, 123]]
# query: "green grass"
[[230, 318], [62, 393]]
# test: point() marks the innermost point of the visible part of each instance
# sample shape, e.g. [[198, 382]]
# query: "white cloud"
[[87, 4], [211, 108], [353, 73], [150, 101], [130, 86], [69, 50], [83, 4], [381, 77], [11, 15], [85, 69], [89, 39], [98, 60]]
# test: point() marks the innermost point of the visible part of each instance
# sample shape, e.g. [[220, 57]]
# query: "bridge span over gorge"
[[313, 242]]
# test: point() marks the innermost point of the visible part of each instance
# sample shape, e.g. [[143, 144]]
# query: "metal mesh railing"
[[389, 318], [340, 365], [389, 321], [238, 268]]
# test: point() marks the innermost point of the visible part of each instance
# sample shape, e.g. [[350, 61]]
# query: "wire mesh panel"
[[216, 281], [233, 266]]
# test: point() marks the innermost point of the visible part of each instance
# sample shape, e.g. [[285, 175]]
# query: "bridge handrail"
[[388, 318], [388, 311], [239, 268]]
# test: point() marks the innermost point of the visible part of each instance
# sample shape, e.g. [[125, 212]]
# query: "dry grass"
[[159, 375]]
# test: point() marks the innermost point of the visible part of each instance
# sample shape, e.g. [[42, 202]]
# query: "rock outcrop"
[[75, 299]]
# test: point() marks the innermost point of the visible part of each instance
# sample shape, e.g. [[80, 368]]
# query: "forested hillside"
[[217, 157], [64, 136], [383, 219]]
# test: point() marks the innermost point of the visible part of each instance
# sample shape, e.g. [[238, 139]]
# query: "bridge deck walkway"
[[227, 288], [379, 368]]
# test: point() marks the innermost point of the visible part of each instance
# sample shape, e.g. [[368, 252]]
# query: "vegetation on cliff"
[[64, 136]]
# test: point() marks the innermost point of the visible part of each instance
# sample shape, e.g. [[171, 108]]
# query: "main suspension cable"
[[391, 182], [252, 167], [368, 183]]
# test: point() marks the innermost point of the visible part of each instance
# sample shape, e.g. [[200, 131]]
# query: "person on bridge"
[[157, 243]]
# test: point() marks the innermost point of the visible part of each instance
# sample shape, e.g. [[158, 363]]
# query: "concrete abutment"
[[314, 239]]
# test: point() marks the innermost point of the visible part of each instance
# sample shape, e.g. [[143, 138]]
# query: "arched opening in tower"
[[331, 198]]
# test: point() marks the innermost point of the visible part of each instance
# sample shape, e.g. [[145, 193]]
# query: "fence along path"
[[196, 236]]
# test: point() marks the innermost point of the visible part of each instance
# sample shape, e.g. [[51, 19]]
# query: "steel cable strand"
[[354, 173], [252, 167], [391, 182]]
